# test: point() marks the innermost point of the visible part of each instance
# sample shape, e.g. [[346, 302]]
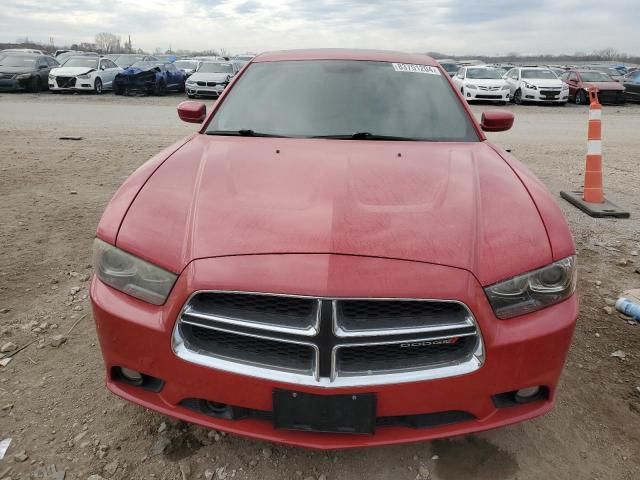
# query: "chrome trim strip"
[[310, 331], [307, 332], [279, 376], [334, 355], [342, 333]]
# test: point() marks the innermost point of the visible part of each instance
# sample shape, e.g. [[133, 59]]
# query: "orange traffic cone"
[[593, 170], [591, 200]]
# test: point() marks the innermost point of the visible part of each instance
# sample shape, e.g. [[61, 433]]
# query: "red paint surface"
[[337, 218], [525, 351]]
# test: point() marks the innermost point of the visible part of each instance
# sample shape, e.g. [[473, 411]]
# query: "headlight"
[[191, 82], [565, 86], [130, 274], [505, 87], [530, 86], [534, 290], [24, 76], [84, 76], [52, 77], [471, 86]]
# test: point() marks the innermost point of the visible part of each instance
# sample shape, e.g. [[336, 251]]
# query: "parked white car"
[[482, 83], [536, 84], [187, 65], [84, 73], [211, 78]]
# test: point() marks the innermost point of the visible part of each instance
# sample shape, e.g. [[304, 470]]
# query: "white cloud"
[[451, 26]]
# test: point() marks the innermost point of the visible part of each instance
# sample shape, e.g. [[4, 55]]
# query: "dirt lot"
[[52, 400]]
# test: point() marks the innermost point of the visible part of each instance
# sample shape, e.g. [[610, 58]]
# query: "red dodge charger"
[[337, 258]]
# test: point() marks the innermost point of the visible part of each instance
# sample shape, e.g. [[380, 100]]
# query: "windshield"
[[186, 65], [145, 64], [484, 73], [539, 74], [127, 60], [450, 67], [595, 77], [82, 62], [340, 98], [215, 68], [608, 71], [18, 61]]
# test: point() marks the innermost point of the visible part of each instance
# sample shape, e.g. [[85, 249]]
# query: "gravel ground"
[[61, 419]]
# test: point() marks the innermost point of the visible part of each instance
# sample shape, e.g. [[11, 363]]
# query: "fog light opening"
[[538, 393], [133, 376], [215, 407], [525, 395], [137, 379]]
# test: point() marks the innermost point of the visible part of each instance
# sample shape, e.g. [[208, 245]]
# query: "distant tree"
[[607, 54], [107, 42], [87, 47]]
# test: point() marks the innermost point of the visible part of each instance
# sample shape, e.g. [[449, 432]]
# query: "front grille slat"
[[363, 359], [262, 311], [364, 317], [66, 82], [324, 341], [250, 350]]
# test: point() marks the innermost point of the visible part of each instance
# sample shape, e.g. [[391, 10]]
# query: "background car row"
[[71, 71], [543, 84]]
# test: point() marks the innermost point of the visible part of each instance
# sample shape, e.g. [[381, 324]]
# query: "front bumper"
[[80, 85], [487, 95], [521, 352], [611, 97], [214, 91], [13, 84], [529, 95]]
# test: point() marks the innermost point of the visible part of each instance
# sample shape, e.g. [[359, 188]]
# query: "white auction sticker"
[[413, 68]]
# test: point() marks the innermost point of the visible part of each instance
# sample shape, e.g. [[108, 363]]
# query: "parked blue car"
[[150, 78]]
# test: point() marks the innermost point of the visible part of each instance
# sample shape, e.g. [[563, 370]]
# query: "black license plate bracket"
[[353, 413]]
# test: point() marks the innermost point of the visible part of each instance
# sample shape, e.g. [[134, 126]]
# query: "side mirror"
[[43, 66], [192, 112], [496, 121]]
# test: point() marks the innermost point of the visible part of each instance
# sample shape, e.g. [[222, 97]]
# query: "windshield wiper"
[[245, 132], [366, 136]]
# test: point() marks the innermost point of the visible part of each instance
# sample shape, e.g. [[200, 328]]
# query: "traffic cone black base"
[[597, 210]]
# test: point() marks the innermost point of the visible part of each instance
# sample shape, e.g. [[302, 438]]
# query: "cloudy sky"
[[451, 26]]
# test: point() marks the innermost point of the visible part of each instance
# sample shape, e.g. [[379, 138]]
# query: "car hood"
[[209, 77], [137, 70], [604, 85], [454, 204], [486, 82], [71, 71], [4, 69], [544, 82]]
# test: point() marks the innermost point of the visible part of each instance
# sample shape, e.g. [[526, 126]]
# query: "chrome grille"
[[328, 341]]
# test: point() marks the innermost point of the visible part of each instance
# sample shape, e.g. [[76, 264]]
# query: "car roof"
[[345, 54], [85, 57]]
